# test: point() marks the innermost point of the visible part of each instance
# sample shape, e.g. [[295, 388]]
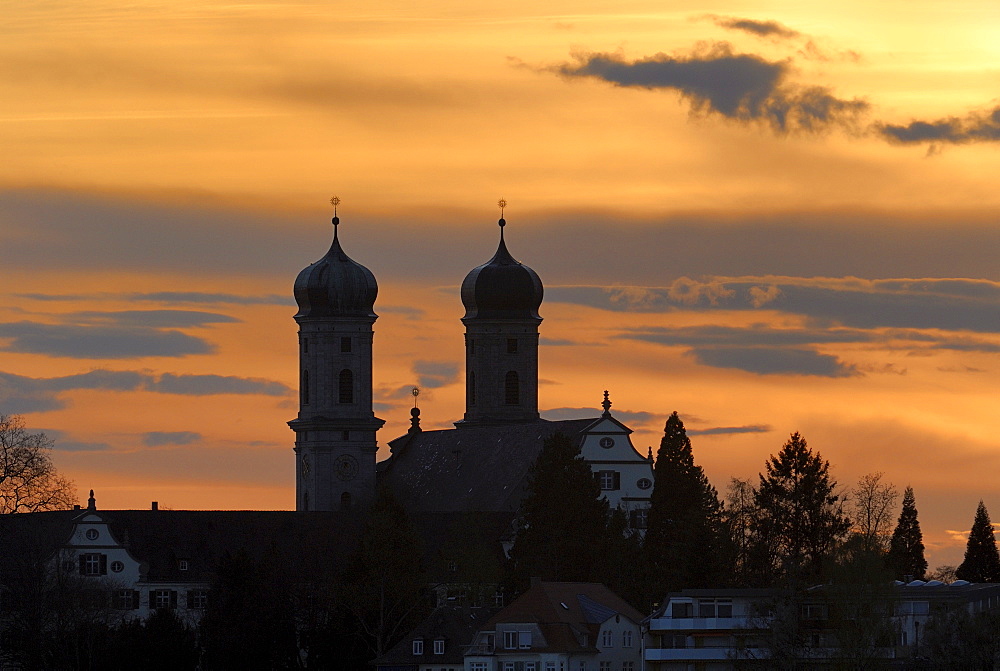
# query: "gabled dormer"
[[93, 552]]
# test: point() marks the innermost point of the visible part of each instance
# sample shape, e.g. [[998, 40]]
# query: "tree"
[[800, 517], [28, 479], [981, 563], [682, 543], [385, 586], [906, 547], [872, 505], [563, 522]]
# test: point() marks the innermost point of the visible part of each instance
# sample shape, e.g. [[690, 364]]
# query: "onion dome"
[[502, 288], [335, 286]]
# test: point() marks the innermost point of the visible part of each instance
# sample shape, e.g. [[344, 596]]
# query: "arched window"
[[511, 389], [346, 386], [472, 387], [345, 501], [305, 501], [304, 388]]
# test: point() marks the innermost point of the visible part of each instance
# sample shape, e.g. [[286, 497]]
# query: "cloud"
[[729, 430], [433, 374], [21, 394], [166, 297], [754, 27], [99, 342], [740, 87], [978, 126], [631, 418], [153, 318], [405, 311], [773, 361], [159, 438]]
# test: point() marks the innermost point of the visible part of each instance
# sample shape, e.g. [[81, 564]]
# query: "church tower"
[[501, 299], [335, 430]]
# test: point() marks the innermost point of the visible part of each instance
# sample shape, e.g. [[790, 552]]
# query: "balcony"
[[707, 623]]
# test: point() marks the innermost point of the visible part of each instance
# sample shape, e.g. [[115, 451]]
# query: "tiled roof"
[[469, 469]]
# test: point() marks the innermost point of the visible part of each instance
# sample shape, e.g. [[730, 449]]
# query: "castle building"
[[480, 466]]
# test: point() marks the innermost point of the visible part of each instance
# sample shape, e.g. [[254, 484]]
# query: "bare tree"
[[873, 507], [28, 479]]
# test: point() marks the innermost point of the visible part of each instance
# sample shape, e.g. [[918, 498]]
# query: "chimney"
[[155, 505]]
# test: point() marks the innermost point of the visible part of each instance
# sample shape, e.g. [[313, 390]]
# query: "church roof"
[[502, 288], [470, 469], [335, 286]]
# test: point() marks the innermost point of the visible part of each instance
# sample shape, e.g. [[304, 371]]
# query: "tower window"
[[345, 344], [345, 435], [472, 346], [304, 389], [305, 501], [346, 387], [305, 344], [511, 345], [472, 387], [345, 501], [511, 389]]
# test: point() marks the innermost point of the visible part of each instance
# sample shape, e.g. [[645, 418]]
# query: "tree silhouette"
[[906, 547], [981, 563], [563, 523], [800, 517], [682, 543], [28, 479]]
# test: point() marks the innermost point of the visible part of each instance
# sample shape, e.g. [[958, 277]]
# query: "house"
[[560, 626], [718, 629], [439, 642]]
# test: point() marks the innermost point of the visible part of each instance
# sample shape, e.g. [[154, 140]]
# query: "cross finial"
[[606, 404], [415, 392], [335, 201], [502, 203]]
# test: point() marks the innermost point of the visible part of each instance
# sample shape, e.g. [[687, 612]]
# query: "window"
[[530, 666], [583, 665], [345, 501], [197, 599], [418, 646], [478, 666], [162, 598], [675, 641], [627, 638], [472, 387], [93, 564], [472, 346], [680, 609], [511, 389], [605, 666], [498, 599], [715, 608], [638, 518], [439, 646], [346, 386], [127, 599], [305, 345], [92, 534], [609, 480], [304, 388], [510, 640], [607, 639], [550, 666], [628, 666], [345, 435], [524, 640], [508, 666], [345, 344], [182, 565], [511, 345], [117, 567]]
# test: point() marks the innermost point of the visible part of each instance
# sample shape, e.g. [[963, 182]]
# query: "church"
[[482, 464]]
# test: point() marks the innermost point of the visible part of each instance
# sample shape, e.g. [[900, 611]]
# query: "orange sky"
[[771, 218]]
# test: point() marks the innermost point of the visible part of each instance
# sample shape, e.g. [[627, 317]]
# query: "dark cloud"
[[558, 414], [946, 304], [728, 430], [159, 438], [741, 87], [752, 336], [207, 385], [167, 297], [754, 27], [557, 342], [21, 394], [773, 361], [99, 342], [631, 418], [402, 310], [980, 126], [433, 374], [153, 318]]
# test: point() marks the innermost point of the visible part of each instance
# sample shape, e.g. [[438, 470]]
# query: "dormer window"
[[182, 565], [418, 646], [439, 646], [92, 534]]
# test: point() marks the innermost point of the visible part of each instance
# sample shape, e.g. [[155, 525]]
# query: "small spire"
[[415, 392], [335, 201], [502, 203], [91, 502], [414, 420], [606, 404], [649, 457]]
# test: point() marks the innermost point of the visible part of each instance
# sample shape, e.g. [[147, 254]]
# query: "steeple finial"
[[91, 502], [606, 404], [335, 201], [502, 203]]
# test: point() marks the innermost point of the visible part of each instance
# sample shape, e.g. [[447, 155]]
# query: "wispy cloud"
[[160, 438], [730, 430], [978, 126], [773, 361], [165, 297], [755, 27], [99, 342], [432, 374]]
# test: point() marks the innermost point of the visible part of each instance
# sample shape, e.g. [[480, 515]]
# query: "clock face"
[[644, 483], [346, 467], [607, 442]]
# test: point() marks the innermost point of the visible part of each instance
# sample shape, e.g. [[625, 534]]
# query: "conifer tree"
[[906, 548], [800, 517], [683, 539], [563, 525], [982, 563]]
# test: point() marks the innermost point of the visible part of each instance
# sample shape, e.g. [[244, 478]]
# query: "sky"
[[770, 217]]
